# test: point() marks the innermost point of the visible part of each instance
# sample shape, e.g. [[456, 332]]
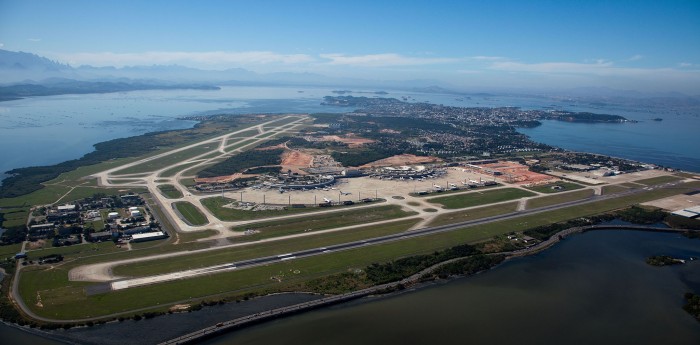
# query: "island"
[[664, 260]]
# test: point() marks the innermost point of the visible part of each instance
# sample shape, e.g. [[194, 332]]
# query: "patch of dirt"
[[223, 179], [404, 159], [296, 158], [179, 307], [350, 139], [36, 244], [517, 173]]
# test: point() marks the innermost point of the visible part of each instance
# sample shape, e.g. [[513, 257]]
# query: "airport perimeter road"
[[127, 283]]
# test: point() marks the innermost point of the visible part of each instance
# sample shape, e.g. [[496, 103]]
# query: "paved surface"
[[101, 272]]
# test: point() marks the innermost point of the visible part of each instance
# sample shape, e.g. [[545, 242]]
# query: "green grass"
[[477, 213], [10, 250], [187, 182], [174, 170], [255, 250], [169, 191], [613, 188], [67, 299], [480, 198], [658, 180], [559, 198], [191, 213], [326, 221], [193, 236], [547, 188], [162, 162]]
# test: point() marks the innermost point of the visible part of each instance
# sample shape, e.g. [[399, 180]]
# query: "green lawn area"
[[480, 198], [169, 191], [191, 213], [559, 198], [9, 250], [549, 188], [162, 162], [658, 180], [67, 299], [322, 222], [613, 188], [174, 170], [476, 213], [193, 236]]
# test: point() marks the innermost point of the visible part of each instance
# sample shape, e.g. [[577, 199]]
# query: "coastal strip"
[[249, 320]]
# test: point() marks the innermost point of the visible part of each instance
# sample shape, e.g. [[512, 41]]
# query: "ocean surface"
[[593, 288], [53, 129]]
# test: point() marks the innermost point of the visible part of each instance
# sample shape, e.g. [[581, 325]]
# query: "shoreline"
[[390, 289], [412, 283]]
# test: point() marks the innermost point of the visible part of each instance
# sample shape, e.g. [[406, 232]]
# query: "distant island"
[[19, 91], [657, 119], [664, 260]]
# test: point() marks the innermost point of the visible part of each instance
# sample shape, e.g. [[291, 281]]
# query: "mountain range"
[[25, 74]]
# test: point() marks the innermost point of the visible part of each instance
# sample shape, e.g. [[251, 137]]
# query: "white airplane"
[[453, 185], [437, 186], [328, 201], [344, 193]]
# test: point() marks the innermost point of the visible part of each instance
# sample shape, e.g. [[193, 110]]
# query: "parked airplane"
[[344, 193], [328, 201]]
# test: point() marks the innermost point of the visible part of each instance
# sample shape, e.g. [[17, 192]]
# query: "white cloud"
[[488, 58], [636, 57], [379, 60], [211, 59], [2, 45], [34, 39], [685, 64]]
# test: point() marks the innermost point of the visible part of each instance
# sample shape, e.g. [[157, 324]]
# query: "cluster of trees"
[[640, 215], [692, 305], [544, 232], [405, 267], [245, 160]]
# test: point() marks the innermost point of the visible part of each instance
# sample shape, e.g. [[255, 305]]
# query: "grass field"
[[559, 198], [162, 162], [480, 198], [169, 191], [476, 213], [191, 213], [612, 189], [547, 188], [9, 250], [174, 170], [61, 297], [193, 236], [658, 180], [327, 221]]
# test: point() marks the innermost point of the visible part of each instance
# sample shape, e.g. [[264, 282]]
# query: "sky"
[[638, 45]]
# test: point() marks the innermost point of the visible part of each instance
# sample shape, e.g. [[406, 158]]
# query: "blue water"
[[50, 130]]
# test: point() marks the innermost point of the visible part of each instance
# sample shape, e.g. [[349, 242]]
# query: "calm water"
[[49, 130], [591, 289]]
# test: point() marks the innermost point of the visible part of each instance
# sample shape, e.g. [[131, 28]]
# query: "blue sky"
[[646, 45]]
